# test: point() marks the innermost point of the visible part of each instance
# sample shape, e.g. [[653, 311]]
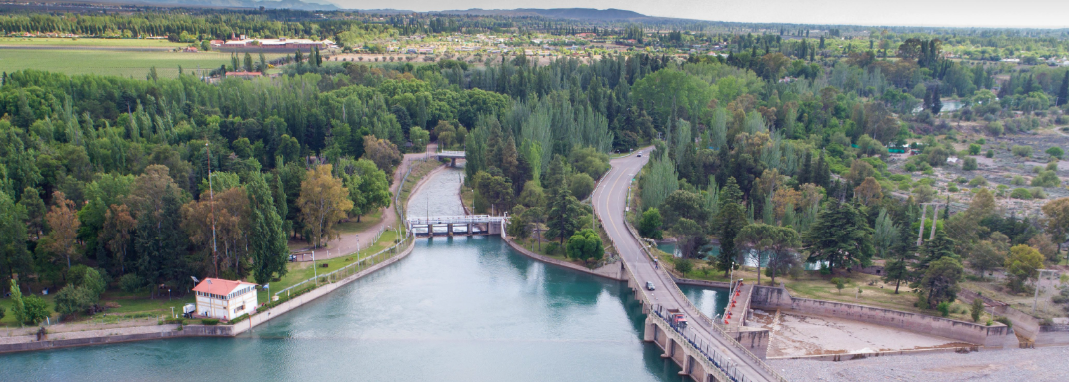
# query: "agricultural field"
[[90, 42], [126, 63]]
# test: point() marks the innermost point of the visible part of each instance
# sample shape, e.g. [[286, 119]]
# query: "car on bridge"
[[649, 285]]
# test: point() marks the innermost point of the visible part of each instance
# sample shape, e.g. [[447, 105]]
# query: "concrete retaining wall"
[[995, 337], [614, 271], [701, 283], [1031, 329], [156, 332]]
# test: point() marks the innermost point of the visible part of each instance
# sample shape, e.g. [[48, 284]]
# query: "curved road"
[[610, 198]]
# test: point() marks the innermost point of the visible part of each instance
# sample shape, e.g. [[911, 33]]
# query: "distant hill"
[[559, 13], [308, 5]]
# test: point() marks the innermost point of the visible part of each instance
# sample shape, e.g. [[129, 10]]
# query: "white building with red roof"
[[225, 299]]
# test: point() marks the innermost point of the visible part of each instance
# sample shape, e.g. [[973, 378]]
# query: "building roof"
[[221, 287], [245, 74]]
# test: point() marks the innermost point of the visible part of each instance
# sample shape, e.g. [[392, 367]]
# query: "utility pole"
[[211, 201]]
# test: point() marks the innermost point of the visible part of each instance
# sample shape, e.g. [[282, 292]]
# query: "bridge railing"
[[721, 366], [698, 313]]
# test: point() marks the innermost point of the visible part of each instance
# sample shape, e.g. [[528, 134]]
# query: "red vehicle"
[[677, 319]]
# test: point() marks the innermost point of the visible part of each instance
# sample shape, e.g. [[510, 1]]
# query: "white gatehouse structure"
[[225, 299]]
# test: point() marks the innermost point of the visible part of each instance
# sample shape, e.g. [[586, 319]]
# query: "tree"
[[323, 202], [35, 211], [986, 255], [869, 192], [159, 242], [969, 164], [659, 182], [841, 236], [691, 236], [896, 270], [776, 242], [940, 281], [63, 221], [248, 62], [14, 256], [117, 232], [267, 236], [684, 266], [219, 227], [1063, 91], [82, 291], [369, 187], [564, 212], [1022, 264], [1057, 212], [650, 224], [382, 152], [585, 245], [730, 221]]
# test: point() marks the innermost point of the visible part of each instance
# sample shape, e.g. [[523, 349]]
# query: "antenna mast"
[[211, 201]]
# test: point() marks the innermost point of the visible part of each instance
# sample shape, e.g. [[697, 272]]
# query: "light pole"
[[315, 271]]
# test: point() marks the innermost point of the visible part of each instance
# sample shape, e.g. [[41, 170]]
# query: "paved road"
[[610, 199], [348, 243]]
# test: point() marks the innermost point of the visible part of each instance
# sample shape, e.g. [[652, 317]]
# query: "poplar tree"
[[1063, 91], [267, 239]]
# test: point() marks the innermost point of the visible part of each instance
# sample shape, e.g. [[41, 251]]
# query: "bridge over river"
[[705, 349]]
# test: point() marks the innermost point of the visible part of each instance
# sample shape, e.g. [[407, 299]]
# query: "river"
[[463, 309]]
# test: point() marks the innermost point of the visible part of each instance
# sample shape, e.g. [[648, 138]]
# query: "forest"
[[778, 146]]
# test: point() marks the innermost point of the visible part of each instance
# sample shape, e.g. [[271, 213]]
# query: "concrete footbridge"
[[707, 350], [450, 225], [451, 155]]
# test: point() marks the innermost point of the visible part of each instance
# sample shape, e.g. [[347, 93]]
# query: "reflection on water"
[[439, 196], [465, 309], [710, 301], [749, 259]]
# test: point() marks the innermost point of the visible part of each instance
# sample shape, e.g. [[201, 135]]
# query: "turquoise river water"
[[466, 309]]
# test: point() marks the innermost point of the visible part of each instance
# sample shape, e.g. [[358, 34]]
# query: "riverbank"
[[33, 342], [612, 271]]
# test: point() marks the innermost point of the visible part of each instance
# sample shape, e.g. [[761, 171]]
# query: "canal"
[[463, 309]]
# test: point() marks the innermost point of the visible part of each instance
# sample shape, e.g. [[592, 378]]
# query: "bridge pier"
[[452, 162], [469, 229], [449, 229]]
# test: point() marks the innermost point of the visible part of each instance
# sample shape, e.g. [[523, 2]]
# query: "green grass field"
[[95, 42], [134, 64]]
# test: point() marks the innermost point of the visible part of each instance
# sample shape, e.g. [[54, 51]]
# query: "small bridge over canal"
[[451, 155], [465, 225]]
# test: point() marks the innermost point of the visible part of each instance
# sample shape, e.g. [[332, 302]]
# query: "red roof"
[[219, 287], [245, 74]]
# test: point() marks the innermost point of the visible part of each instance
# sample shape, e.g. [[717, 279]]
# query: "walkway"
[[348, 243], [610, 199]]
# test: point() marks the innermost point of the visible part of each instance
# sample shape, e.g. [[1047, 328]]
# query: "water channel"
[[463, 309]]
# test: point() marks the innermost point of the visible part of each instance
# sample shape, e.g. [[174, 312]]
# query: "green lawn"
[[110, 62], [366, 221], [301, 271]]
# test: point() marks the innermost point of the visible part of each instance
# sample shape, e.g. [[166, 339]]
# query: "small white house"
[[225, 299]]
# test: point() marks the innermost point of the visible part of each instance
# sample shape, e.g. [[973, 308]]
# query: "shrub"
[[683, 266], [73, 300], [1, 312], [977, 309], [210, 321], [1021, 193], [961, 180], [1022, 151], [943, 308], [239, 319], [1046, 178], [952, 188], [969, 164], [990, 154], [981, 141], [131, 283], [1055, 151], [553, 248], [824, 270], [995, 128], [1018, 180], [35, 308], [978, 181], [1005, 320], [1038, 193], [974, 149], [178, 321]]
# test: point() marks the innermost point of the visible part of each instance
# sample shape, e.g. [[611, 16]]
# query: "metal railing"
[[721, 366], [698, 313]]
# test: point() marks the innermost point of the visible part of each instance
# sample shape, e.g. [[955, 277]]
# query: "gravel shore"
[[1042, 364]]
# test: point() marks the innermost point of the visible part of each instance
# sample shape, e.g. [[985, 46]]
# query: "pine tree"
[[807, 169], [730, 220]]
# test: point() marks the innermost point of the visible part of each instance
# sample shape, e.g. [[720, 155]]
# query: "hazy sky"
[[980, 13]]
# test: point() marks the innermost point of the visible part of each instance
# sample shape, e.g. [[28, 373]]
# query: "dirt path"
[[348, 243]]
